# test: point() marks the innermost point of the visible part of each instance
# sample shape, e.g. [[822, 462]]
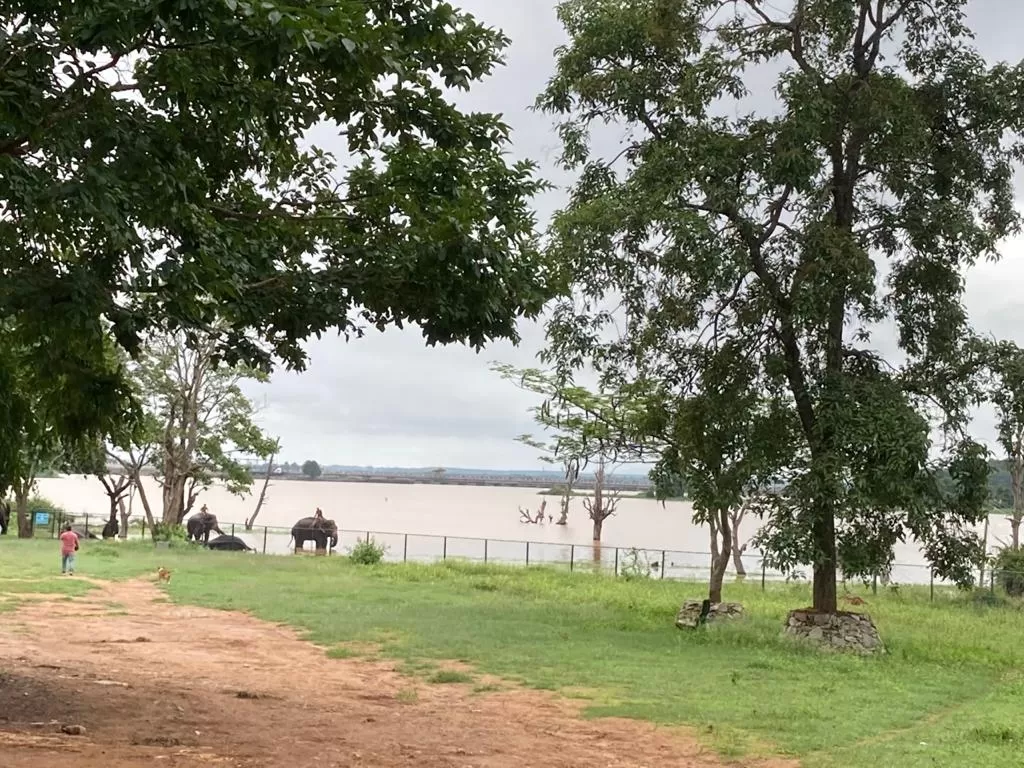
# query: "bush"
[[1009, 570], [172, 532], [367, 552]]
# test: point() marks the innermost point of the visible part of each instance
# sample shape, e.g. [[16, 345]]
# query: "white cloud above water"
[[387, 400]]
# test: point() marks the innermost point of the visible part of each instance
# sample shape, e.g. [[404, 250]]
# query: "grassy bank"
[[948, 694]]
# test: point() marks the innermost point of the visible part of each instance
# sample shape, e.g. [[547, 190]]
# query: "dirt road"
[[158, 684]]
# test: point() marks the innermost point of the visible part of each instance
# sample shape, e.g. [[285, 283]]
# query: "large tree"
[[1004, 365], [202, 423], [159, 171], [880, 170]]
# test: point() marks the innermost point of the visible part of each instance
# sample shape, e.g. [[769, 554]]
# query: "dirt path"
[[158, 684]]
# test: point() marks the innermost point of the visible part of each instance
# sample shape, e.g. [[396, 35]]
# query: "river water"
[[428, 522]]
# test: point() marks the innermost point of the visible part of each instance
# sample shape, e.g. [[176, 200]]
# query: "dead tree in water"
[[603, 504], [525, 516]]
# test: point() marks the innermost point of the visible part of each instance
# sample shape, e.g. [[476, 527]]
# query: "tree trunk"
[[824, 589], [263, 495], [563, 516], [145, 502], [125, 518], [598, 525], [737, 558], [174, 498], [721, 562], [21, 493], [1017, 490]]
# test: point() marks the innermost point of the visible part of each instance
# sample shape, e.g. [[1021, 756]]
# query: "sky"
[[388, 400]]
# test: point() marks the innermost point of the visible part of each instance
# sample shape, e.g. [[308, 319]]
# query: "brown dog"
[[162, 574], [854, 600]]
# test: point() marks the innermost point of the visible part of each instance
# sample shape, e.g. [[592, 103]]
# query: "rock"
[[689, 613], [73, 730], [850, 632]]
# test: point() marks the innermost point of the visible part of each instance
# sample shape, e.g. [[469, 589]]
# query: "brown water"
[[425, 522]]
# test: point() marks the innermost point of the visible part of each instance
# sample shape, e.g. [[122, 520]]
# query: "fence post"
[[663, 563], [616, 561], [86, 524], [232, 529], [264, 539], [992, 582], [367, 537], [527, 553], [762, 575], [931, 586], [572, 556], [485, 551], [444, 549], [142, 534], [405, 548], [874, 584]]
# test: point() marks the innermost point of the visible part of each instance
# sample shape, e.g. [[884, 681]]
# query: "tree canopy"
[[788, 235], [159, 175]]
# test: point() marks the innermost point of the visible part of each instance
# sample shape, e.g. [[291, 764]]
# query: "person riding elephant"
[[317, 529], [201, 524]]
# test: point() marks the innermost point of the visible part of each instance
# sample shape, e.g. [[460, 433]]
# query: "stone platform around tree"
[[689, 613], [847, 632]]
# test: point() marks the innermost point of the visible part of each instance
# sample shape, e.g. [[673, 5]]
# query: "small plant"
[[1009, 571], [367, 552], [635, 565]]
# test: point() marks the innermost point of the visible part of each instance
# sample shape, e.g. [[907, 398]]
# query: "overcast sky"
[[386, 400]]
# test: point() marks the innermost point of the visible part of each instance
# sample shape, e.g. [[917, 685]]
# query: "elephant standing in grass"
[[317, 529], [200, 525]]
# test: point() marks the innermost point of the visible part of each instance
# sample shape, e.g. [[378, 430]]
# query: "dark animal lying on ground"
[[82, 534], [229, 544]]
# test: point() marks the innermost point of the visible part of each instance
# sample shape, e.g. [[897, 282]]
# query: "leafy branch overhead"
[[161, 175], [735, 245], [583, 425]]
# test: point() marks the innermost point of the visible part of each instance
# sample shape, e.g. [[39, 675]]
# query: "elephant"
[[200, 525], [5, 516], [316, 529], [111, 529], [229, 544]]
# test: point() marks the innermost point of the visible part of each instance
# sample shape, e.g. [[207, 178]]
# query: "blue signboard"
[[42, 518]]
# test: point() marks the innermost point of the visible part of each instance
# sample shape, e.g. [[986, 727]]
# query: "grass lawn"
[[949, 693]]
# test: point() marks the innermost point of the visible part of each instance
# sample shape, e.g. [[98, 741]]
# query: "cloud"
[[386, 399]]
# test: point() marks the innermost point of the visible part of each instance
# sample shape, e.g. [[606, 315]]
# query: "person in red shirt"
[[68, 547]]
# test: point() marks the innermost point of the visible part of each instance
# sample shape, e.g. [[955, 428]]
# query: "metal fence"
[[662, 563]]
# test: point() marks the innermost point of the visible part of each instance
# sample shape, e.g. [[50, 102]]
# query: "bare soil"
[[154, 683]]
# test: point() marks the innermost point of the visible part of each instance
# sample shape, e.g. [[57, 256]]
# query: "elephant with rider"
[[318, 529], [201, 524]]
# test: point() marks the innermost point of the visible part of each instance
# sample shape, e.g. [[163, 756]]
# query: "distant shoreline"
[[482, 480]]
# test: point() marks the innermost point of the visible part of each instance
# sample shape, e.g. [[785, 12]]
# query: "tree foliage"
[[311, 469], [159, 174], [788, 236]]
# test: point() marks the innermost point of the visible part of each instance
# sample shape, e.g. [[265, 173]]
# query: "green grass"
[[948, 694], [448, 677]]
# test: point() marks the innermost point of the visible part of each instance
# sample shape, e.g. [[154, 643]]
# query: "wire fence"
[[664, 563]]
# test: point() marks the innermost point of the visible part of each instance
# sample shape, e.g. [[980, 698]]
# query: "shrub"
[[367, 552], [1009, 570], [172, 532]]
